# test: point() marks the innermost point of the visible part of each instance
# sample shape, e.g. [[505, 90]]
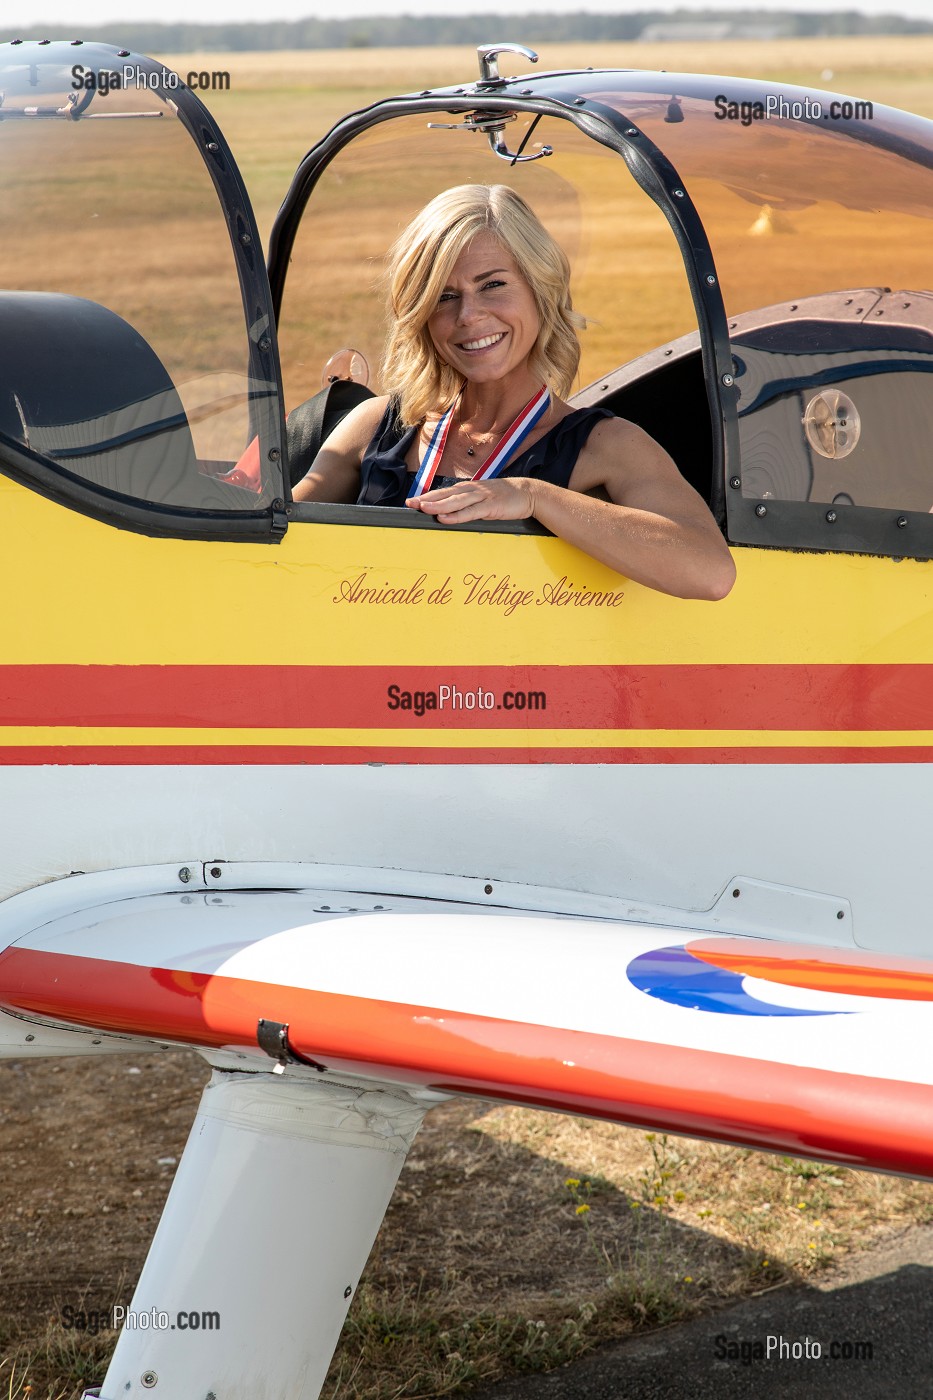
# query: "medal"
[[510, 441]]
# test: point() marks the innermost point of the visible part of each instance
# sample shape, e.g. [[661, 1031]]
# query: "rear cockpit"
[[136, 348]]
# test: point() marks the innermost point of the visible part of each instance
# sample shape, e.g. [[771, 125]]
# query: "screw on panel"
[[831, 517], [246, 239], [630, 131], [216, 872], [841, 914], [45, 41], [728, 380], [265, 343], [710, 280], [184, 874], [213, 146], [761, 510], [487, 889], [347, 1291], [902, 522], [149, 1379], [30, 1037], [735, 482], [580, 102], [525, 92], [736, 893], [678, 194], [123, 53], [274, 455]]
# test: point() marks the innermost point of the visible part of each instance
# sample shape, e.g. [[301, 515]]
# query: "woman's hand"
[[502, 498]]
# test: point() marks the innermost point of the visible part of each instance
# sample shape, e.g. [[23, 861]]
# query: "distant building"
[[689, 31]]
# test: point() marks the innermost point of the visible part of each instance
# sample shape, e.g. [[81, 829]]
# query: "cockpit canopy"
[[752, 260]]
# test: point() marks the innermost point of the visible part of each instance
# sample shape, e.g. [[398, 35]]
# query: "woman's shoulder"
[[572, 429], [385, 429], [372, 413], [575, 419]]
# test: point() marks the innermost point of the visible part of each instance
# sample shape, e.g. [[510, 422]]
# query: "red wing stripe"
[[739, 697], [847, 1118]]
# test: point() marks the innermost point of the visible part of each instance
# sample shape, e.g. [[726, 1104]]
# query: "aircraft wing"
[[809, 1050]]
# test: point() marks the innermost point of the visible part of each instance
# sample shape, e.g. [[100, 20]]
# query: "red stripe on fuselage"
[[736, 697], [329, 755], [852, 1119]]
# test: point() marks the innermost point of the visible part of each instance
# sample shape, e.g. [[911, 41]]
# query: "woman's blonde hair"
[[419, 265]]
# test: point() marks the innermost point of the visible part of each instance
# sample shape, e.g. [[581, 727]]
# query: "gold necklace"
[[480, 437]]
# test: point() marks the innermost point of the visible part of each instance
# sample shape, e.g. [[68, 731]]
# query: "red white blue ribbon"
[[508, 444]]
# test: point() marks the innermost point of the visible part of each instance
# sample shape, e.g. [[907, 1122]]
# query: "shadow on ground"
[[877, 1317]]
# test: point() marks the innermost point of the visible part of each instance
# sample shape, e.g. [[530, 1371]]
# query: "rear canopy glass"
[[124, 346]]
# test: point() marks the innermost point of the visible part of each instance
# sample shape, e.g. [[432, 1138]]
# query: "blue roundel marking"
[[674, 975]]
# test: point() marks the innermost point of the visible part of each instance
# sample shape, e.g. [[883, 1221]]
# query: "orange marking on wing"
[[835, 970]]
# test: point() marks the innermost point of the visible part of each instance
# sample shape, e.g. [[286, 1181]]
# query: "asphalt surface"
[[884, 1298]]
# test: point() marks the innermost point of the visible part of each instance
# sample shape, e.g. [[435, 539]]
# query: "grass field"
[[516, 1240]]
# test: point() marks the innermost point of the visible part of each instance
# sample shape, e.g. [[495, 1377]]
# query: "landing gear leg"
[[277, 1200]]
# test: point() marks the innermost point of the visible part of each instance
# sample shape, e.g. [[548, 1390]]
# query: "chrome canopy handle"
[[490, 77], [488, 55]]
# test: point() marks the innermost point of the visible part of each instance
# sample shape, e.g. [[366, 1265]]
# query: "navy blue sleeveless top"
[[386, 481]]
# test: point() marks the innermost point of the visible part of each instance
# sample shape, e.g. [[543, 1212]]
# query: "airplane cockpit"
[[752, 267]]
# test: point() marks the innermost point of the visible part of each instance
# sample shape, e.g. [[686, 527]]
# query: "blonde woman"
[[482, 347]]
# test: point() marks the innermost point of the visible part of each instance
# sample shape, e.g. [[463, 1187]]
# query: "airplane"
[[370, 812]]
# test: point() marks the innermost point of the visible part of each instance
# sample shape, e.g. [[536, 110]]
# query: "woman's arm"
[[334, 475], [654, 527]]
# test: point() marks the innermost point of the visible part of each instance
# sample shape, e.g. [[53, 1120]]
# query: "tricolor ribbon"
[[511, 440]]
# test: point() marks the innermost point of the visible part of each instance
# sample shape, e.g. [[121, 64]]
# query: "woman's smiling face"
[[486, 322]]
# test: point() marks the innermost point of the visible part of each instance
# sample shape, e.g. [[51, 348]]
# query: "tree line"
[[412, 31]]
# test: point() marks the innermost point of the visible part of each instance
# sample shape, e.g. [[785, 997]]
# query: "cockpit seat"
[[81, 387], [313, 421]]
